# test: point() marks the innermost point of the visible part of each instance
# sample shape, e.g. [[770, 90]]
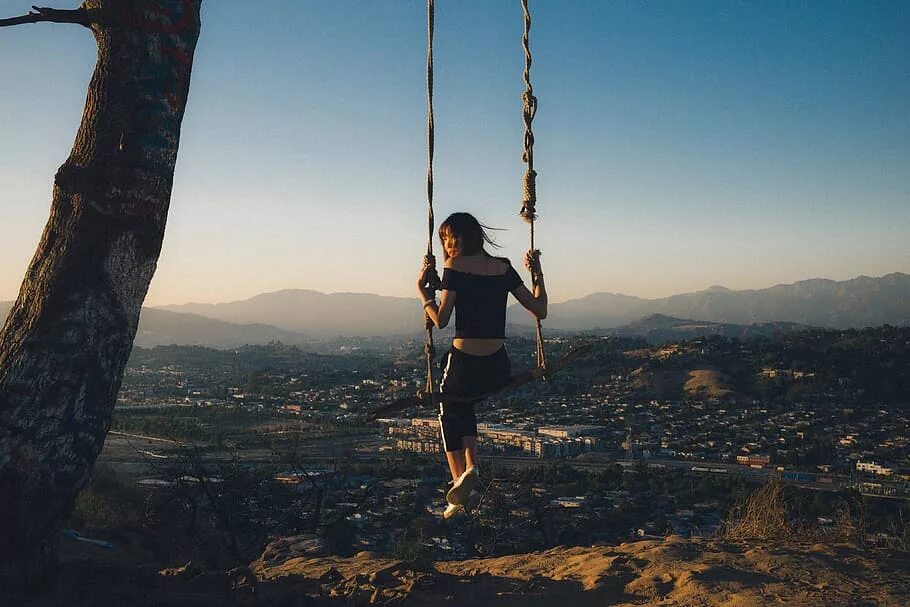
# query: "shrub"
[[763, 514], [107, 502], [413, 550]]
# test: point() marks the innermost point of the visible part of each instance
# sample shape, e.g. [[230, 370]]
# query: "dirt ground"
[[675, 572]]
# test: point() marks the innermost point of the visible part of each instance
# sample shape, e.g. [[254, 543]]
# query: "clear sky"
[[680, 144]]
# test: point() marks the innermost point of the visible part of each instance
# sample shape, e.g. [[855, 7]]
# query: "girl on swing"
[[476, 286]]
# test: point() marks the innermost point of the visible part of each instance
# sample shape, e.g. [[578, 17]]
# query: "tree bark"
[[67, 339]]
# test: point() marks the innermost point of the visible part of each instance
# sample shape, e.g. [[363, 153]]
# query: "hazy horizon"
[[679, 146], [555, 301]]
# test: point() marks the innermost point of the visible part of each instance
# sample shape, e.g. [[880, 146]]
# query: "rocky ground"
[[672, 572]]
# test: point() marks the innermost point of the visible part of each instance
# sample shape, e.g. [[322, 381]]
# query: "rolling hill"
[[296, 316]]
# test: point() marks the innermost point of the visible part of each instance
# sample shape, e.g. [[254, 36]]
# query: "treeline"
[[250, 359]]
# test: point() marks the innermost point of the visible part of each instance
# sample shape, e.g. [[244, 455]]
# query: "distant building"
[[417, 445], [756, 461], [873, 468], [425, 422], [569, 502], [543, 447], [394, 421], [571, 431], [503, 436]]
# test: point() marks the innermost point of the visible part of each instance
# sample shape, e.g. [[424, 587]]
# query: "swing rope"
[[433, 280], [528, 212], [529, 202]]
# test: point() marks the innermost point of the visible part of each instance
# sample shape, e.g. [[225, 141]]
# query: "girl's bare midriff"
[[478, 346], [487, 266]]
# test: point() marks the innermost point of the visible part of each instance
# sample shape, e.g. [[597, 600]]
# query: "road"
[[137, 454]]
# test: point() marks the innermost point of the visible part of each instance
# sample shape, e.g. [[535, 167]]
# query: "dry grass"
[[762, 515], [709, 383], [766, 514]]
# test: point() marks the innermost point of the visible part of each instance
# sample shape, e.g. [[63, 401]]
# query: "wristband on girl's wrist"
[[428, 302]]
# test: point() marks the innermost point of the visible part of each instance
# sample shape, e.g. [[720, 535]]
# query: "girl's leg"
[[456, 461], [470, 451]]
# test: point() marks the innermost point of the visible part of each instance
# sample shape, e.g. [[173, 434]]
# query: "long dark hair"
[[471, 233]]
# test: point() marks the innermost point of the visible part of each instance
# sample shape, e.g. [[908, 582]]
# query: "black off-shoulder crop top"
[[480, 308]]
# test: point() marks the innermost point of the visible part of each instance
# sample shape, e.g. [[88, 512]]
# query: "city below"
[[635, 439]]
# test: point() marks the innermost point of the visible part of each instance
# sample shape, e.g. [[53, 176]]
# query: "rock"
[[283, 549], [387, 574], [331, 576], [361, 579], [240, 578], [187, 570]]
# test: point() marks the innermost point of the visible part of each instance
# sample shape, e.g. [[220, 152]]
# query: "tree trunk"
[[67, 339]]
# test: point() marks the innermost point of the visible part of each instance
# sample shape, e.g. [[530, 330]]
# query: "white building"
[[571, 431], [873, 468]]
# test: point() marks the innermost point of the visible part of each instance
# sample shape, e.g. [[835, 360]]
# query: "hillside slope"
[[675, 572]]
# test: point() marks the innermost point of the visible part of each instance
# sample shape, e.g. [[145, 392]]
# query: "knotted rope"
[[429, 259], [529, 202]]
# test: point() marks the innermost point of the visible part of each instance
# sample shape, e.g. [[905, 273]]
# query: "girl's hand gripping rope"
[[428, 281], [532, 263]]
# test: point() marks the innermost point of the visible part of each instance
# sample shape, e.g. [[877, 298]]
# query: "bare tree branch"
[[39, 14]]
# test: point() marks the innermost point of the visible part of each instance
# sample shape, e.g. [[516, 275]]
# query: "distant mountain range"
[[860, 302], [318, 315], [304, 316], [161, 328]]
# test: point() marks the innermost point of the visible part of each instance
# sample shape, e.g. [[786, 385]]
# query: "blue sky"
[[679, 144]]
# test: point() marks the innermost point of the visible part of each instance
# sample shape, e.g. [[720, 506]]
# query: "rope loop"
[[530, 104], [528, 210], [529, 111]]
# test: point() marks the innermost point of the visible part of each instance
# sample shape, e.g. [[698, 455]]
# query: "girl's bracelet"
[[429, 302]]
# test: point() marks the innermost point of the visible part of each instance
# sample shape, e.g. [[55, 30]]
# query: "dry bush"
[[763, 514], [850, 523], [849, 526], [901, 528], [108, 503], [766, 514]]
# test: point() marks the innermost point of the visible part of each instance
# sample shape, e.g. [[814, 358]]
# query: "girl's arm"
[[536, 302], [439, 313]]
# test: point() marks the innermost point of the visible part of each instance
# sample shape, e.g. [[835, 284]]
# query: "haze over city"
[[679, 145]]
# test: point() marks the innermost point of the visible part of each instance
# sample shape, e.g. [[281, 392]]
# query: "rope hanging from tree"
[[528, 212], [433, 280], [529, 202]]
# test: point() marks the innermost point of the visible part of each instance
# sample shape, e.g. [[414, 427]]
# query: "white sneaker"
[[463, 486], [451, 510]]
